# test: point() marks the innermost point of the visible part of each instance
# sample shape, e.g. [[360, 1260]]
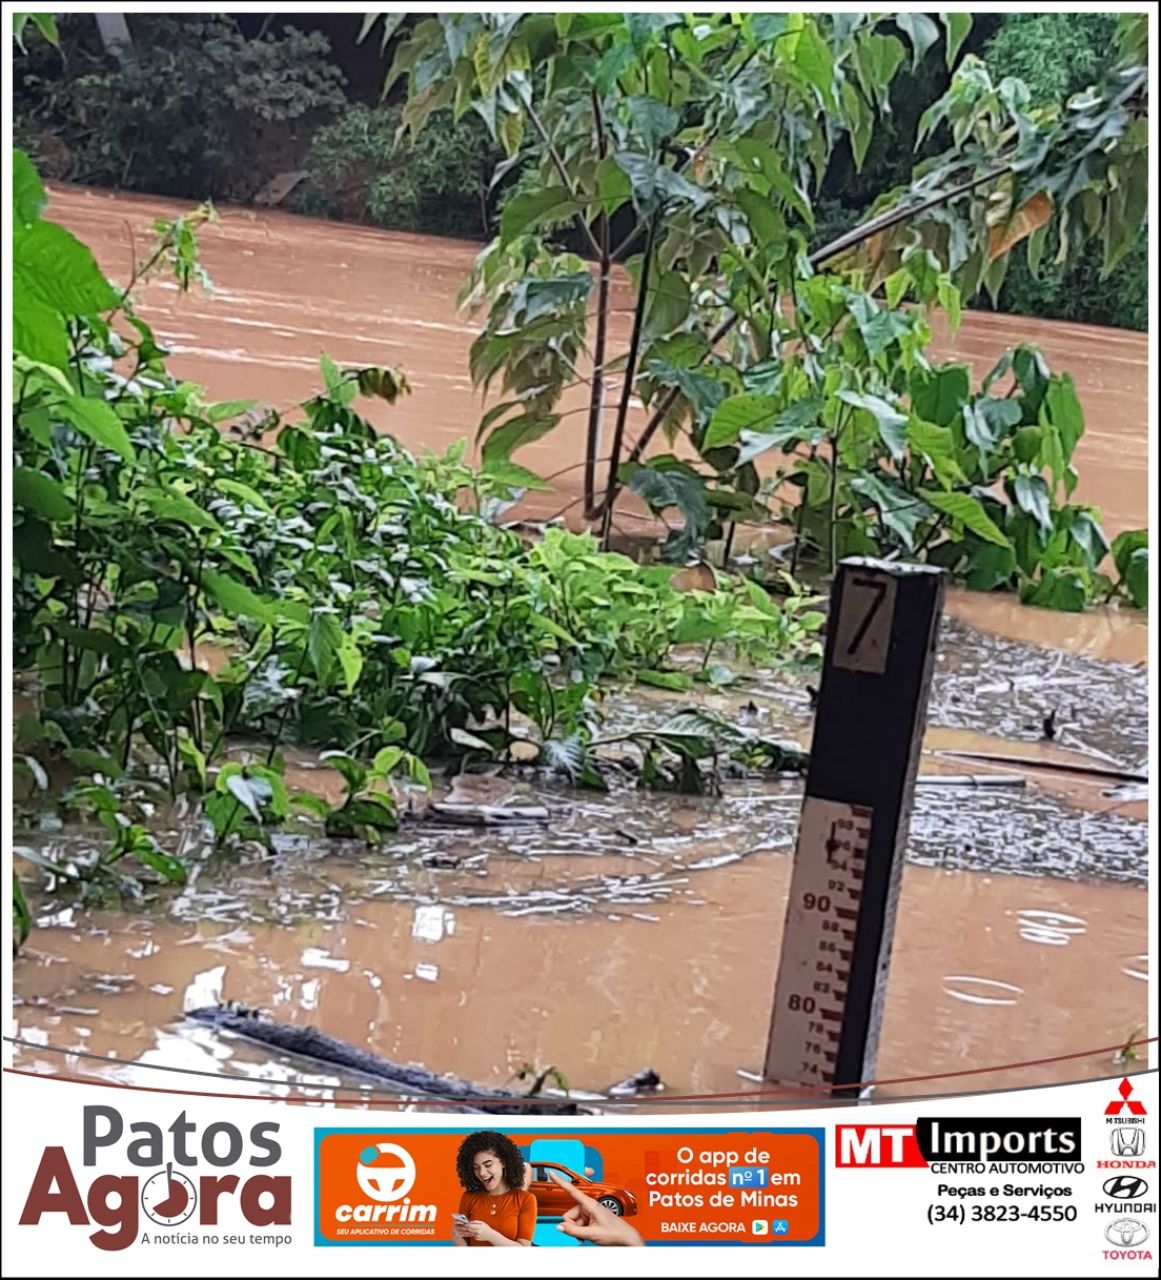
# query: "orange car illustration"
[[553, 1201]]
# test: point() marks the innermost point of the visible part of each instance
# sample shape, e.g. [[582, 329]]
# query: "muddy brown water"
[[625, 932]]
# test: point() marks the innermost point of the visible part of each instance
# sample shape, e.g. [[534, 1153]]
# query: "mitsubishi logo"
[[1118, 1105]]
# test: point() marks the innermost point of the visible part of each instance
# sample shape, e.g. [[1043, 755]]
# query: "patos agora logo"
[[177, 1176]]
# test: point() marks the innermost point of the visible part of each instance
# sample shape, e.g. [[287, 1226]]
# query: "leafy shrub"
[[199, 111], [361, 598], [1058, 55], [359, 168]]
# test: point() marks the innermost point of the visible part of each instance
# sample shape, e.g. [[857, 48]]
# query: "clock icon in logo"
[[169, 1198]]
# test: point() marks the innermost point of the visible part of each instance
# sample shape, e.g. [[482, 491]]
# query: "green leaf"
[[515, 434], [675, 486], [938, 394], [890, 422], [21, 916], [989, 420], [896, 285], [812, 56], [1033, 375], [88, 761], [229, 409], [613, 185], [351, 662], [1032, 496], [860, 122], [766, 222], [923, 267], [165, 864], [169, 504], [96, 420], [610, 66], [1062, 588], [653, 182], [800, 422], [1131, 556], [28, 197], [37, 492], [937, 445], [900, 511], [341, 387], [1136, 577], [90, 638], [1026, 443], [951, 301], [353, 773], [969, 512], [920, 30], [1125, 544], [879, 326], [668, 305], [38, 330], [958, 26], [462, 738], [523, 212], [740, 413], [1064, 412], [247, 793], [652, 121], [989, 566], [323, 637], [45, 23], [239, 490], [504, 471], [677, 681], [59, 271], [236, 598]]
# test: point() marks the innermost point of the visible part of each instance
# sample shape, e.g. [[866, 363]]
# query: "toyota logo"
[[1125, 1188], [1126, 1232]]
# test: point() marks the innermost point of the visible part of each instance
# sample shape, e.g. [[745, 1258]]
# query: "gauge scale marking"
[[826, 887]]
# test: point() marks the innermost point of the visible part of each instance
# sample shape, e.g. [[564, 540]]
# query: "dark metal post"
[[852, 836]]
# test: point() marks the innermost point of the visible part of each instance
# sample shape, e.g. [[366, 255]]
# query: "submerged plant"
[[183, 590]]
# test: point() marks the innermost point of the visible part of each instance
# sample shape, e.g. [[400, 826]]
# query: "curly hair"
[[489, 1140]]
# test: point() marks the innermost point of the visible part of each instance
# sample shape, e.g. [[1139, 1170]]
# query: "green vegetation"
[[712, 134], [354, 597], [359, 169], [182, 120], [1058, 55], [199, 111]]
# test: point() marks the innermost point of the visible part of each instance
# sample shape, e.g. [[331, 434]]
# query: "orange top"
[[514, 1213]]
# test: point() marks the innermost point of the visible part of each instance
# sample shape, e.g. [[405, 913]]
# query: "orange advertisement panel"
[[488, 1186]]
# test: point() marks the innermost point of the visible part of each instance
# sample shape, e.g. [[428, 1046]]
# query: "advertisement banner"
[[669, 1186], [110, 1180]]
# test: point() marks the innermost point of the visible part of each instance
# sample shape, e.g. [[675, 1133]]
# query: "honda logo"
[[1127, 1142]]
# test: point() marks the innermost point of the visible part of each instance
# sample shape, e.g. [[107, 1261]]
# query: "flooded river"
[[628, 931]]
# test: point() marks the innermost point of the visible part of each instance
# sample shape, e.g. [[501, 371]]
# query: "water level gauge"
[[848, 860]]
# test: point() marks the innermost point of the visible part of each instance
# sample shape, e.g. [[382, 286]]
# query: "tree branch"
[[538, 124], [856, 236]]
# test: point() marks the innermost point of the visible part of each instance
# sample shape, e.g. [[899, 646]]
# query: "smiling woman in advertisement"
[[495, 1208]]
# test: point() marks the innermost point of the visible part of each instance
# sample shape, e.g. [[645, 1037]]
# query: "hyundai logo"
[[1126, 1188]]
